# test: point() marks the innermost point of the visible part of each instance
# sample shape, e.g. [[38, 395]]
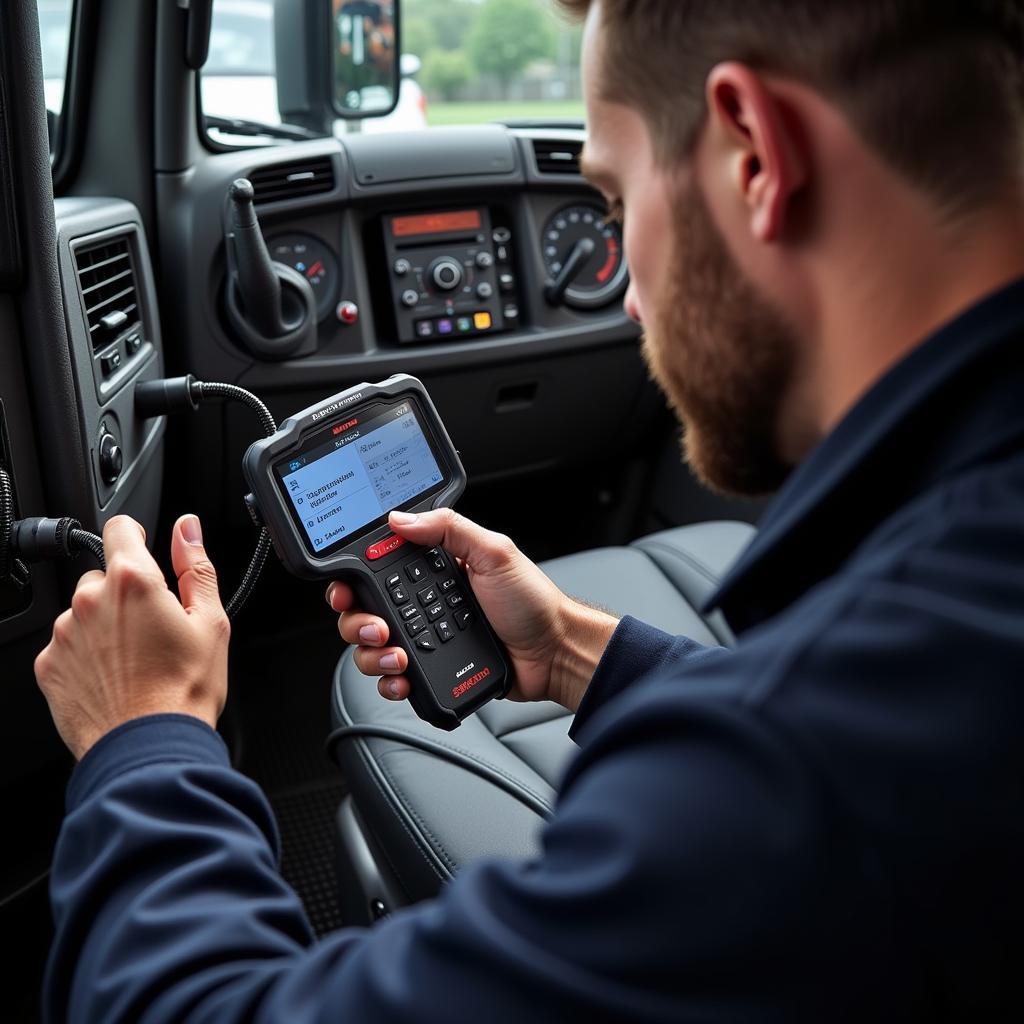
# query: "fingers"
[[393, 687], [373, 662], [361, 628], [125, 537], [340, 597], [483, 550], [197, 578]]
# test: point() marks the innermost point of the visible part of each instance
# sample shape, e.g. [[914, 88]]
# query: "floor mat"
[[282, 687], [305, 816]]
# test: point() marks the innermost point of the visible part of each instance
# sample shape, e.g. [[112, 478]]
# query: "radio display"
[[350, 475], [435, 223]]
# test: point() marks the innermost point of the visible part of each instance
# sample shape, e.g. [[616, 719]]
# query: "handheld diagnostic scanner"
[[323, 486]]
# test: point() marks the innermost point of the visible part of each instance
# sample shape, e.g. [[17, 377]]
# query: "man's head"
[[798, 178]]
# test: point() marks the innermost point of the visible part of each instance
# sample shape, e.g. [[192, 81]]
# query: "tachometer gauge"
[[314, 261], [580, 238]]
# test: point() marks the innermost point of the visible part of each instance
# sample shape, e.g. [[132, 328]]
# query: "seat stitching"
[[372, 767], [448, 859], [501, 737], [685, 557], [501, 771], [418, 843], [408, 807]]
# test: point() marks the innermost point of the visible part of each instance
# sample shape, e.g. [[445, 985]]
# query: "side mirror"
[[365, 57]]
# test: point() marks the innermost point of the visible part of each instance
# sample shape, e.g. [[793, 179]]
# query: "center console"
[[451, 274]]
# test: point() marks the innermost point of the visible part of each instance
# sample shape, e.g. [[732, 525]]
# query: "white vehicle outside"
[[239, 78]]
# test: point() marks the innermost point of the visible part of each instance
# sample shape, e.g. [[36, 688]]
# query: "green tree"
[[446, 72], [449, 20], [508, 34], [418, 37]]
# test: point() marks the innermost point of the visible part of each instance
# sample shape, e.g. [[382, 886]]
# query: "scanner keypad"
[[439, 613]]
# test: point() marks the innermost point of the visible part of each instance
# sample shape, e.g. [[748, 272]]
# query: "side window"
[[54, 37]]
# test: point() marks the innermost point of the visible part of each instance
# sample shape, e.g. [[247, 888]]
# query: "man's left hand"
[[127, 647]]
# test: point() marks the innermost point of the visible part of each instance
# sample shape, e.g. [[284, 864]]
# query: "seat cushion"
[[423, 817]]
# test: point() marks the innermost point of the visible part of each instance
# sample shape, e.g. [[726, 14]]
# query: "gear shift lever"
[[270, 306]]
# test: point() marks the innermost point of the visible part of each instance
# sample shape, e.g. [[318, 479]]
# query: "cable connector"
[[42, 539], [167, 396]]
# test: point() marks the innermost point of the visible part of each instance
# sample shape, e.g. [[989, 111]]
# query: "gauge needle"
[[315, 269], [574, 263]]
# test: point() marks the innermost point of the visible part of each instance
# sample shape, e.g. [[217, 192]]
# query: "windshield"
[[463, 62], [54, 37]]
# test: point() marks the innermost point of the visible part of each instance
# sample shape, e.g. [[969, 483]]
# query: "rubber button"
[[416, 571], [463, 617], [384, 547]]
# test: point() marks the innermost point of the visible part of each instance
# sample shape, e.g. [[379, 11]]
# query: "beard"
[[724, 357]]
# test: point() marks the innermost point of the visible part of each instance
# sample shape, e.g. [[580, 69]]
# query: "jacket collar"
[[956, 398]]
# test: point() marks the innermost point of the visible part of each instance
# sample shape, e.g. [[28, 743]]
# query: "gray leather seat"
[[412, 819]]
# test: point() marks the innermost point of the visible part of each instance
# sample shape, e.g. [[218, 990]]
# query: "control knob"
[[446, 274], [111, 458]]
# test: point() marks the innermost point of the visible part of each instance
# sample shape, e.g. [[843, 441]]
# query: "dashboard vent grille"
[[106, 277], [293, 180], [556, 156]]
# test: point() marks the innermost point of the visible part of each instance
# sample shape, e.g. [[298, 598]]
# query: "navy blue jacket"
[[824, 824]]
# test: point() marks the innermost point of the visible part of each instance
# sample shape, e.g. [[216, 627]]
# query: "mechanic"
[[824, 217]]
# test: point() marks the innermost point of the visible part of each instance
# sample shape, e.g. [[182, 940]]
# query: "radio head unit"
[[451, 274]]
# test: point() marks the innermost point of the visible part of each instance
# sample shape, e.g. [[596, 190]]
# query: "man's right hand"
[[554, 642]]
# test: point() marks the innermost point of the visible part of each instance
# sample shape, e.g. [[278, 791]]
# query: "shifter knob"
[[258, 283], [270, 305], [242, 191]]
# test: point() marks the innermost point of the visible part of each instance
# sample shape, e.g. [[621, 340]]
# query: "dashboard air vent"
[[293, 180], [556, 156], [106, 276]]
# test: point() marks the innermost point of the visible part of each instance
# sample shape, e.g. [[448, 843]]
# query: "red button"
[[384, 547]]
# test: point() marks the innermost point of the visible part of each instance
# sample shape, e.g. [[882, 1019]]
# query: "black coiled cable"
[[11, 567], [83, 540], [36, 539], [203, 389]]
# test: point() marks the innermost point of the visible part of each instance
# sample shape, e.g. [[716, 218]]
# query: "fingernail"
[[192, 531], [389, 663], [371, 634], [329, 596], [403, 518], [393, 689]]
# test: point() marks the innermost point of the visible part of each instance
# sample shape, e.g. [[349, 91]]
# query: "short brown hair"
[[935, 86]]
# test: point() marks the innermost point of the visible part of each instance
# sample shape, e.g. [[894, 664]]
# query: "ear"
[[764, 160]]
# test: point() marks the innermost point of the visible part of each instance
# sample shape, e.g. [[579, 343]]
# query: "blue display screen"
[[365, 468]]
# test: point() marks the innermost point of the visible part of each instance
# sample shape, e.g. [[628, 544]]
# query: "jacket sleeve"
[[634, 651], [169, 906]]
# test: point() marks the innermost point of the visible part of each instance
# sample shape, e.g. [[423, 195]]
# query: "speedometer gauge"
[[315, 261], [601, 270]]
